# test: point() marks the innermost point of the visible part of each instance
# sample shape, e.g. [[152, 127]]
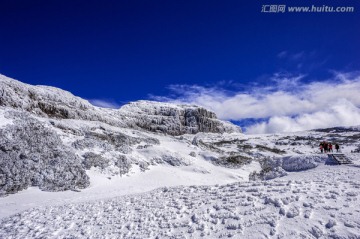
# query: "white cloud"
[[289, 104], [341, 113], [104, 103]]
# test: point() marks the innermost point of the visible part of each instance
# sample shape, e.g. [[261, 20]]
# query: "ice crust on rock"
[[274, 167], [298, 163], [175, 119], [44, 100], [33, 155]]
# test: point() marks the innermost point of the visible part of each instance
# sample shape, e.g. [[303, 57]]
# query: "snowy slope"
[[319, 203]]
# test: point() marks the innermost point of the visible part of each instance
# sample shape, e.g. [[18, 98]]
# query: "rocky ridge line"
[[152, 116]]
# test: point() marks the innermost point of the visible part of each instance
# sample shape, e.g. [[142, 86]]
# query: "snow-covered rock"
[[167, 118], [174, 119], [45, 101], [274, 167], [33, 155], [302, 162], [49, 137]]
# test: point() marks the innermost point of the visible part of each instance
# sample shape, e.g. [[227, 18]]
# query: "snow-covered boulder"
[[33, 155], [280, 166], [302, 162]]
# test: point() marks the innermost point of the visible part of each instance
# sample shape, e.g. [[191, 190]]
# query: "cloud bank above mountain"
[[286, 104]]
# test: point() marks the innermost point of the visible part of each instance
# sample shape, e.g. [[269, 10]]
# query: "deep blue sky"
[[126, 50]]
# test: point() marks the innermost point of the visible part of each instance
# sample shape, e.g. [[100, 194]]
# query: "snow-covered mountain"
[[50, 102], [50, 137], [227, 184]]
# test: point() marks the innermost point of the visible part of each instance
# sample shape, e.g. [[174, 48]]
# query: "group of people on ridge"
[[326, 147]]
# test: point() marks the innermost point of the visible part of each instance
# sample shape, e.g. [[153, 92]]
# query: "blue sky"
[[113, 52]]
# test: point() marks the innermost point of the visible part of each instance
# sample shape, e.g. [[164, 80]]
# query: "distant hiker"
[[330, 147], [337, 147], [321, 147], [326, 147]]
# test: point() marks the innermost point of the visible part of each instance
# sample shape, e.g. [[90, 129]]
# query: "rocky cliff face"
[[174, 119], [167, 118]]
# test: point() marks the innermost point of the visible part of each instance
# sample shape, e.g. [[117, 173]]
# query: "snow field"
[[323, 203]]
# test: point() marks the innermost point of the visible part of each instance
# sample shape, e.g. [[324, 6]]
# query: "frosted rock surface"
[[166, 118], [33, 155], [174, 119]]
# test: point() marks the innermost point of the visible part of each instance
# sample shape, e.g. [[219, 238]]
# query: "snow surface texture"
[[320, 204]]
